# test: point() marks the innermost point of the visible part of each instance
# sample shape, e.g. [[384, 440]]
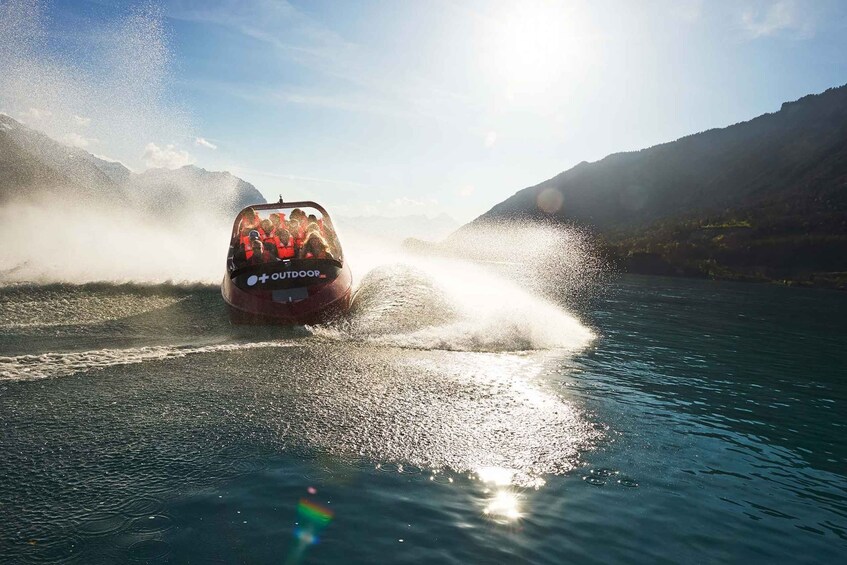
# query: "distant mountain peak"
[[708, 171], [763, 199], [32, 162]]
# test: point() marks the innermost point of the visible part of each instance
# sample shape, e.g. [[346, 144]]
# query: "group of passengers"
[[276, 238]]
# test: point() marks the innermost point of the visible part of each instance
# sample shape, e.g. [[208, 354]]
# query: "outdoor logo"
[[264, 277]]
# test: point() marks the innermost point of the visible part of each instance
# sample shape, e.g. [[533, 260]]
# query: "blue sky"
[[435, 106]]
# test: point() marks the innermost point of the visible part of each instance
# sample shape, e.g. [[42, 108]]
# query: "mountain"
[[762, 200], [161, 191], [33, 164], [115, 170]]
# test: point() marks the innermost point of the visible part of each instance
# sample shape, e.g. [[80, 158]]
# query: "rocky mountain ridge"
[[761, 200], [33, 164]]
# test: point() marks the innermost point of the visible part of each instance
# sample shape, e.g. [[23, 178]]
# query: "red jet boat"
[[285, 266]]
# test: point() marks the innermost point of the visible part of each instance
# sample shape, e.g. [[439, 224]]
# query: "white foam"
[[47, 365], [438, 303]]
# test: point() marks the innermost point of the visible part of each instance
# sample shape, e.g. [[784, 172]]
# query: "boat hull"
[[281, 302]]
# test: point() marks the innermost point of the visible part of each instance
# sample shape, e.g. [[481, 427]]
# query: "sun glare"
[[504, 505], [531, 45]]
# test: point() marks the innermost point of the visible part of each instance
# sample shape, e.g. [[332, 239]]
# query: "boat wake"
[[403, 300], [457, 306], [34, 367]]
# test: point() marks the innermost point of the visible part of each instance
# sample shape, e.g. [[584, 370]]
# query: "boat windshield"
[[261, 235]]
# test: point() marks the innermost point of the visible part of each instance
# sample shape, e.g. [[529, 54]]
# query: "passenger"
[[331, 240], [257, 254], [312, 228], [249, 220], [245, 254], [315, 248], [246, 238], [273, 254], [296, 233], [266, 229], [284, 244], [277, 220]]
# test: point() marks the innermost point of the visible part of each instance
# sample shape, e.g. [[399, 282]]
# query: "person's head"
[[257, 246], [315, 243], [267, 226], [249, 214], [274, 218], [284, 235], [313, 218], [293, 225]]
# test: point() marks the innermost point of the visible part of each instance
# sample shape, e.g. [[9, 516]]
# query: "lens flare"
[[311, 519], [313, 513]]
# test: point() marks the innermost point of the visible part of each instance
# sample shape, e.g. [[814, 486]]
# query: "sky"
[[395, 108]]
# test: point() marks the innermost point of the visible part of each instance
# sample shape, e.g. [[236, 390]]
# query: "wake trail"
[[51, 365]]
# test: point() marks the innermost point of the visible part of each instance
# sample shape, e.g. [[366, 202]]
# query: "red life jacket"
[[285, 250], [248, 249], [245, 239]]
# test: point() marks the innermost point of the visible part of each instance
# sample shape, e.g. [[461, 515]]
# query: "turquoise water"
[[703, 422]]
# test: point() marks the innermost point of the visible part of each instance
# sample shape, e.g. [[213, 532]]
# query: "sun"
[[531, 45]]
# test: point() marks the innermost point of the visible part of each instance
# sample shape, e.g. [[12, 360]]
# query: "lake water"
[[661, 421]]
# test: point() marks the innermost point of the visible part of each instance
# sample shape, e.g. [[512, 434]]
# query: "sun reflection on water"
[[499, 476], [504, 502], [505, 505]]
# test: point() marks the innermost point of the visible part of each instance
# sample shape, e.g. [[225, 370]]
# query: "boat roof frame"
[[296, 204], [282, 204]]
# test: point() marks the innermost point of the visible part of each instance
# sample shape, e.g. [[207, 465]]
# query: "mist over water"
[[109, 97], [71, 242]]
